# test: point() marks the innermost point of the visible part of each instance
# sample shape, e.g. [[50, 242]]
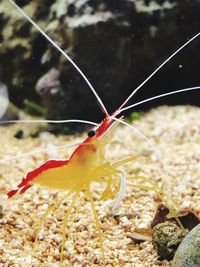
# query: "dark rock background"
[[117, 44]]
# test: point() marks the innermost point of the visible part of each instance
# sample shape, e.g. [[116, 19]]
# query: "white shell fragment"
[[188, 253], [4, 99]]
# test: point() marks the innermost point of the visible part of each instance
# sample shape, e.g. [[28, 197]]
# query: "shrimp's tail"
[[20, 189], [26, 182]]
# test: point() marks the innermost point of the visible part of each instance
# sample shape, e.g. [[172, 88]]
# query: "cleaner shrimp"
[[88, 163]]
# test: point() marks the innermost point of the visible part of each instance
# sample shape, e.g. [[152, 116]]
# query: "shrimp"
[[88, 163]]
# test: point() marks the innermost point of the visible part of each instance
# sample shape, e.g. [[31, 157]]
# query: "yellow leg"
[[97, 223], [159, 192], [39, 225], [123, 161], [74, 215], [109, 170], [65, 225], [155, 188], [107, 192]]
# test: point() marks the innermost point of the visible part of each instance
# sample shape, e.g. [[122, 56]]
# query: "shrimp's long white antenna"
[[49, 121], [64, 54], [159, 96], [157, 69], [44, 149], [41, 151]]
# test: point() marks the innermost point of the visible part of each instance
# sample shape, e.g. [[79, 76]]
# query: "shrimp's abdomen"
[[35, 175], [67, 177]]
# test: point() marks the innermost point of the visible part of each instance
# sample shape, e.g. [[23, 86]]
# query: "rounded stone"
[[188, 252], [166, 238]]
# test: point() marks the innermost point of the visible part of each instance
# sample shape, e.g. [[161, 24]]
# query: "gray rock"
[[188, 252], [4, 99]]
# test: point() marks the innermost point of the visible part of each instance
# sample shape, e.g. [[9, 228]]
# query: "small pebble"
[[19, 134]]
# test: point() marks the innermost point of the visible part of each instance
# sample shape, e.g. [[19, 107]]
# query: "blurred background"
[[117, 44]]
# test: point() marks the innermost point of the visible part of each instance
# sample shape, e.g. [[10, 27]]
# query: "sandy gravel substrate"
[[174, 131]]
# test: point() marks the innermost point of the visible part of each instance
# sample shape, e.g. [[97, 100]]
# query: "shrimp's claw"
[[26, 182]]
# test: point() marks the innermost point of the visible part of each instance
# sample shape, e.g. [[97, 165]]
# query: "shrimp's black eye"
[[91, 133]]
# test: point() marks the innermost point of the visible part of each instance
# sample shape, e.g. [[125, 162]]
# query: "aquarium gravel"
[[175, 131]]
